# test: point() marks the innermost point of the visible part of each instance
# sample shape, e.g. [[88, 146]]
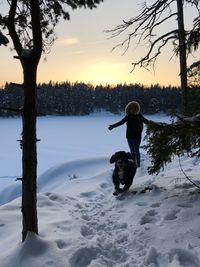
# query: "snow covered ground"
[[81, 224]]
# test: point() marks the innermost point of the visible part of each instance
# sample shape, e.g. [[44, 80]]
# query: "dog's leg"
[[126, 188], [129, 180], [117, 189], [116, 192], [116, 184]]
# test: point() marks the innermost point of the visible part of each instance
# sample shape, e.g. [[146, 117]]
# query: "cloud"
[[69, 41]]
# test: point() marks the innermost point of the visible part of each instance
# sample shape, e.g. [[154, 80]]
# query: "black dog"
[[124, 171]]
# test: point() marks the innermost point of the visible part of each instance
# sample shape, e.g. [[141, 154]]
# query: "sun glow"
[[106, 73]]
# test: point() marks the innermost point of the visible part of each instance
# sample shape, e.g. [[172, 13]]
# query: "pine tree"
[[165, 141]]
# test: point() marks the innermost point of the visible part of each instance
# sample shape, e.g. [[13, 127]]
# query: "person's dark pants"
[[134, 145]]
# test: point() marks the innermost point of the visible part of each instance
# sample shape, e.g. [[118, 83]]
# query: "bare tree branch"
[[145, 25], [148, 59], [160, 22], [11, 26]]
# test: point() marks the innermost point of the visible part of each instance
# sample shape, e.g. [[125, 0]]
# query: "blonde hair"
[[133, 108]]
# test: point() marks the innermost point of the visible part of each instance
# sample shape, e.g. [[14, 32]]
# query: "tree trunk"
[[182, 57], [29, 154], [29, 64]]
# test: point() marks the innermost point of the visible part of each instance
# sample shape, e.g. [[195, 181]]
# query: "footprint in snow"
[[150, 217], [141, 204], [88, 194], [171, 215], [61, 244], [104, 185], [121, 226], [185, 205], [49, 263], [184, 258], [85, 217], [155, 205], [188, 170], [86, 231], [83, 256], [86, 256], [54, 197]]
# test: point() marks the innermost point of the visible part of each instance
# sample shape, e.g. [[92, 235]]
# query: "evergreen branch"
[[194, 120], [176, 139], [12, 109]]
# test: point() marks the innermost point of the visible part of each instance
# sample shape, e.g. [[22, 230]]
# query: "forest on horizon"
[[82, 99]]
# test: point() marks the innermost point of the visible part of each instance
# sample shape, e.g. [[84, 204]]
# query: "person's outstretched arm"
[[119, 123], [143, 119]]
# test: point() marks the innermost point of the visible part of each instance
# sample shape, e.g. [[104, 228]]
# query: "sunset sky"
[[82, 51]]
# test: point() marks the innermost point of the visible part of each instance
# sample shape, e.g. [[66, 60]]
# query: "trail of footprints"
[[99, 223], [107, 237], [152, 215], [113, 239]]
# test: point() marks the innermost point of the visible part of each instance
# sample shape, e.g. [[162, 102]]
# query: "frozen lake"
[[63, 139]]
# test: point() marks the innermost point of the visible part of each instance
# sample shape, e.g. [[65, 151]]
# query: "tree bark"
[[29, 140], [29, 151], [182, 57]]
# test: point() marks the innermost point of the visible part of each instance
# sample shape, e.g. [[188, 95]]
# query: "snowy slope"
[[83, 225]]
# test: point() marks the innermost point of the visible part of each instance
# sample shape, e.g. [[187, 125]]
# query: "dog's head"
[[121, 158]]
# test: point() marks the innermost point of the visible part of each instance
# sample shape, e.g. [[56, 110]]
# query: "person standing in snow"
[[134, 120]]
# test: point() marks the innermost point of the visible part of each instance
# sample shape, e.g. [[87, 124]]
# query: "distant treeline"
[[81, 99]]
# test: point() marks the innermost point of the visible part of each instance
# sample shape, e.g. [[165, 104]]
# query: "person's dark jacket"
[[134, 125]]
